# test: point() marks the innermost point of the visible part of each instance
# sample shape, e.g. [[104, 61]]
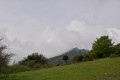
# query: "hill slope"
[[71, 53], [102, 69]]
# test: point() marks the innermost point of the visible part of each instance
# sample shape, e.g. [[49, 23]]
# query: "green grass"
[[102, 69]]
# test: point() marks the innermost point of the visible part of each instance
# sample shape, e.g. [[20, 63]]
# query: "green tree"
[[78, 58], [102, 47], [4, 57], [33, 59], [117, 49], [65, 58]]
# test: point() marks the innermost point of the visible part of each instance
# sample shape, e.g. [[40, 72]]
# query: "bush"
[[39, 66], [65, 58], [114, 55], [34, 59], [18, 68], [117, 49], [78, 58], [86, 58]]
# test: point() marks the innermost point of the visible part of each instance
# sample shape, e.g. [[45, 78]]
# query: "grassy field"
[[102, 69]]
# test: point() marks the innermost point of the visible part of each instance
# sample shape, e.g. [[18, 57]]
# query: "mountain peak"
[[76, 51]]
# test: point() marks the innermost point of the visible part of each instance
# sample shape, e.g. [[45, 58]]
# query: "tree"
[[78, 58], [4, 57], [102, 47], [33, 59], [117, 49], [65, 58]]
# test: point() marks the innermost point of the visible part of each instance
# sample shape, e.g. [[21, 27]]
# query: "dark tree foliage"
[[102, 47], [33, 59], [117, 49], [4, 57], [78, 58], [65, 58]]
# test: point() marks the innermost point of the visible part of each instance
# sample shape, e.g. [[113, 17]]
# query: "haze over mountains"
[[71, 53]]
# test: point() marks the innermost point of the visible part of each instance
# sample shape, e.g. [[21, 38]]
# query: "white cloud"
[[54, 41], [43, 27], [51, 41], [114, 33]]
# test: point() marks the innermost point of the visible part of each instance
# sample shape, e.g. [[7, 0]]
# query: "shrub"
[[65, 58], [117, 49], [18, 68], [78, 58], [114, 55], [33, 59]]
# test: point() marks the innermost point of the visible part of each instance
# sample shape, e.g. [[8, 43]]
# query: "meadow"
[[101, 69]]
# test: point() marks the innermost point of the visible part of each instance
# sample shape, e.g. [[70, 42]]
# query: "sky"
[[52, 27]]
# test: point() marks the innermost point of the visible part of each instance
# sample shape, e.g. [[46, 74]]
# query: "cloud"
[[107, 13], [54, 41], [50, 41], [49, 28], [114, 33]]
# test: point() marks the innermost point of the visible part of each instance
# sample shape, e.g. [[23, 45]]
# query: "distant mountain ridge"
[[76, 51], [71, 53]]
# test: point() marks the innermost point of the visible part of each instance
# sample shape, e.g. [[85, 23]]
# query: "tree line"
[[101, 48]]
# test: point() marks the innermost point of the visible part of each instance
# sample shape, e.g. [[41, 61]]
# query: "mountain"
[[58, 60]]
